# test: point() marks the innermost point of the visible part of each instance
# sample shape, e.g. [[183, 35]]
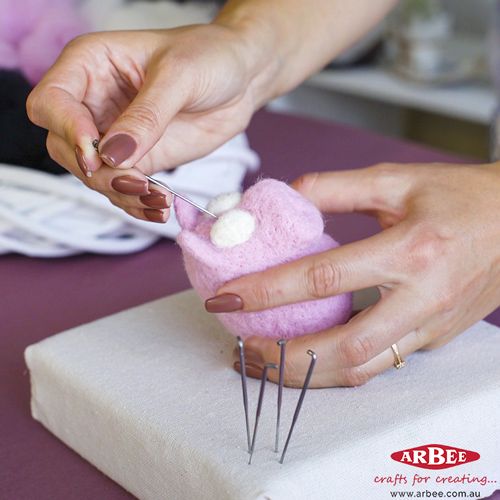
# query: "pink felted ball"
[[285, 227]]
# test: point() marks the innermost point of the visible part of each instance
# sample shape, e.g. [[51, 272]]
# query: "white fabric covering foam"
[[150, 398]]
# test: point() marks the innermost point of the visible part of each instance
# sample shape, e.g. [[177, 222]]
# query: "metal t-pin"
[[282, 345], [243, 372], [314, 357], [263, 380], [95, 144]]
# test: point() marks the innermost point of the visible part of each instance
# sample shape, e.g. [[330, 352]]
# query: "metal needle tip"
[[263, 380], [314, 357], [182, 197], [282, 345], [243, 372]]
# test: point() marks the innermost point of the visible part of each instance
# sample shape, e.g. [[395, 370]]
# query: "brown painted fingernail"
[[155, 200], [126, 184], [251, 370], [154, 215], [117, 149], [227, 302], [80, 159]]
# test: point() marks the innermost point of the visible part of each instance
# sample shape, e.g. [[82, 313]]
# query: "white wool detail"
[[224, 202], [232, 228]]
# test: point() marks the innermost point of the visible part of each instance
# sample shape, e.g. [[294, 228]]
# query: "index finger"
[[355, 266], [56, 105]]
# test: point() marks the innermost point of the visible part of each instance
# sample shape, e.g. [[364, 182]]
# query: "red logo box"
[[435, 456]]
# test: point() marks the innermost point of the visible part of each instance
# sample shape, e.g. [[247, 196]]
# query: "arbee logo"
[[435, 456]]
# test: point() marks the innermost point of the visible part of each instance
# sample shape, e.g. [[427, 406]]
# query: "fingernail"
[[117, 149], [127, 184], [227, 302], [154, 215], [80, 159], [155, 200], [251, 370]]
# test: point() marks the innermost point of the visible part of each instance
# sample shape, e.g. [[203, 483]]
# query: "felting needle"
[[95, 143], [259, 406], [182, 197], [314, 357], [282, 344], [243, 373]]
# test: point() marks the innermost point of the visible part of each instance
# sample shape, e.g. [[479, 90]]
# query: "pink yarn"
[[287, 227], [33, 33]]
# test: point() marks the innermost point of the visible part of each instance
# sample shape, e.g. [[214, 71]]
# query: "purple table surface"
[[43, 297]]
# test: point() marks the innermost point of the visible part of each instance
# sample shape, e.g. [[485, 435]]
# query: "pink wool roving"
[[270, 225], [34, 32]]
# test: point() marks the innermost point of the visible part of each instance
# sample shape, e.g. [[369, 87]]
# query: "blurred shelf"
[[468, 101]]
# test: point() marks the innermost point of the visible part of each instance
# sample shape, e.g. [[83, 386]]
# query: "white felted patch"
[[223, 203], [232, 228]]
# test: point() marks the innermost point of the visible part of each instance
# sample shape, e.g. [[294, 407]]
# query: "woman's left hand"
[[436, 265]]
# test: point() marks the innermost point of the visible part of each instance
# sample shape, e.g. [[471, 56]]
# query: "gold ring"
[[399, 362]]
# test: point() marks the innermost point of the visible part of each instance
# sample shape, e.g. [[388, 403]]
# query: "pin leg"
[[95, 144], [282, 344], [314, 357], [243, 373], [259, 406], [179, 195]]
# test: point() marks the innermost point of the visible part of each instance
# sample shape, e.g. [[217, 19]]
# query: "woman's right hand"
[[153, 100], [157, 99]]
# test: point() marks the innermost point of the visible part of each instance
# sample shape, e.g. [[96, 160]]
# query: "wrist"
[[257, 42]]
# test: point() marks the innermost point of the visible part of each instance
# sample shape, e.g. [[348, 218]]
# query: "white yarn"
[[232, 228], [223, 203], [43, 215]]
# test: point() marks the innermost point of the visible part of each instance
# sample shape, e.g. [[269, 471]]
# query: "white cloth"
[[43, 215], [149, 397]]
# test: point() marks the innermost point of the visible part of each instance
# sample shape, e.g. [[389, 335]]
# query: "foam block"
[[149, 397]]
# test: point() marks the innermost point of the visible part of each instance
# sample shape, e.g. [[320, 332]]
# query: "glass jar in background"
[[417, 34], [495, 72]]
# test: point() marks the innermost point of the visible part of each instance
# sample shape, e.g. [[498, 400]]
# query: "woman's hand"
[[154, 99], [158, 99], [436, 265]]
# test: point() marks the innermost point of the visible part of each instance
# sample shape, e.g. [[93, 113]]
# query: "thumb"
[[143, 123], [381, 187]]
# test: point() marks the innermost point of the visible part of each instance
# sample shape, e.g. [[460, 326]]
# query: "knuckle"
[[356, 351], [260, 295], [305, 182], [421, 336], [79, 41], [354, 377], [145, 116], [323, 278], [387, 177], [386, 169], [424, 247]]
